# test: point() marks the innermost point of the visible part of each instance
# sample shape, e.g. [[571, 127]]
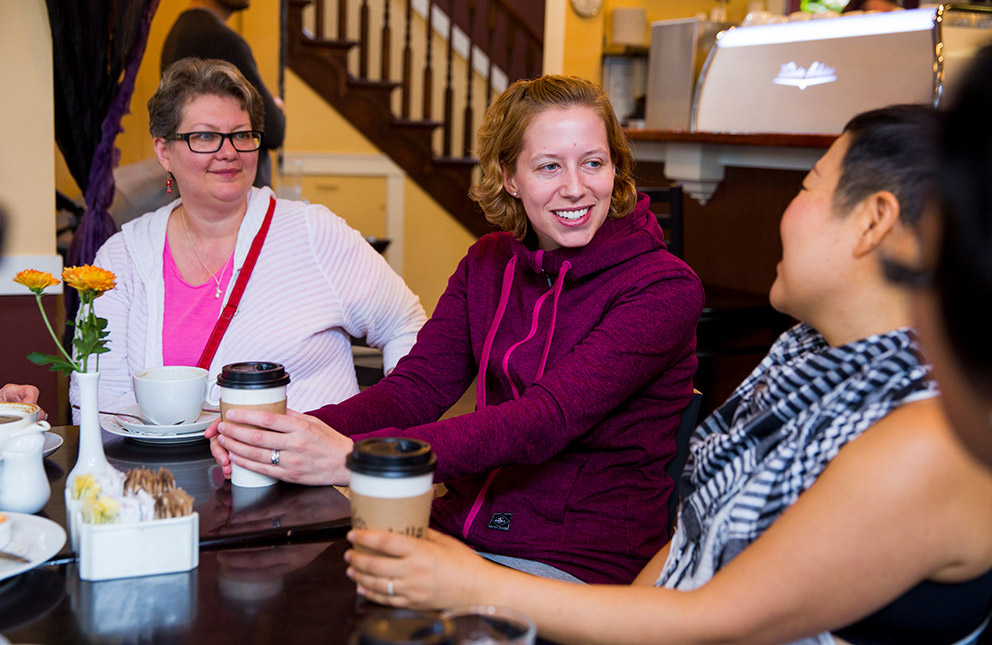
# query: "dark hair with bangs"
[[892, 149]]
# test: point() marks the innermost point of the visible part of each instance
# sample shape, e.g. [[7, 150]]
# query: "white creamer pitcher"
[[24, 487], [18, 419]]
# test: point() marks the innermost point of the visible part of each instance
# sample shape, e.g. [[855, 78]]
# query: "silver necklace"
[[189, 237]]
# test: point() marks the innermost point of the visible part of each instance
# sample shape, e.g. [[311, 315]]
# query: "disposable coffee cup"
[[401, 627], [392, 485], [252, 386]]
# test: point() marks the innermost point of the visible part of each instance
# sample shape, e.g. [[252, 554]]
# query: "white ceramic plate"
[[52, 443], [201, 423], [32, 537], [113, 426]]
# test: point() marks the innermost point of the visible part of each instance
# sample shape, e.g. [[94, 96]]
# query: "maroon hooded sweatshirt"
[[584, 359]]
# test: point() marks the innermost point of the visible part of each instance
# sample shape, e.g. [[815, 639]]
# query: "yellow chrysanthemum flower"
[[89, 278], [36, 281]]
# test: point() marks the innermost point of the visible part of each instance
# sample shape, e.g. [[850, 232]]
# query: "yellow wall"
[[583, 38], [27, 187], [433, 241]]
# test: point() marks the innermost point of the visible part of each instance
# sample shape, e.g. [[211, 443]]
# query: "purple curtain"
[[97, 48]]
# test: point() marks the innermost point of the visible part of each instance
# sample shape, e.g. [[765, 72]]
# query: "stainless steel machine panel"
[[813, 76], [678, 49]]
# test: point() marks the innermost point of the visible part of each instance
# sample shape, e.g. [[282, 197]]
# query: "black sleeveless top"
[[930, 613]]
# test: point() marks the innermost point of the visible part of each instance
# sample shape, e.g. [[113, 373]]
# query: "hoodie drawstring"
[[556, 290], [504, 297], [487, 349]]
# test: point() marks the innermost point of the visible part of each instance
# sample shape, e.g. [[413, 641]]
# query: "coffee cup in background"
[[20, 418], [392, 485], [171, 394], [490, 624], [401, 627], [252, 386]]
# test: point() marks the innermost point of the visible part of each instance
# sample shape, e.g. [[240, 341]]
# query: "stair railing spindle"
[[342, 19], [318, 14], [363, 41], [467, 131], [407, 61], [428, 110], [531, 67], [449, 108], [386, 45], [491, 18]]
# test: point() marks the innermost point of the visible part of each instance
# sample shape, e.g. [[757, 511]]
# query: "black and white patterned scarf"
[[768, 443]]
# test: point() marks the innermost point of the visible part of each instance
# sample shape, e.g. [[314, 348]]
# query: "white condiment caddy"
[[109, 551]]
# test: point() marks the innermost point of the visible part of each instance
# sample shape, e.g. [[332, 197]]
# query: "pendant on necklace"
[[217, 294]]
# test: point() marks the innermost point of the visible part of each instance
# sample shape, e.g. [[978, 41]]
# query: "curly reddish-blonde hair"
[[501, 138]]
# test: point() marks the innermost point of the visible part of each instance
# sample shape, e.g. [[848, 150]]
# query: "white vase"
[[91, 457]]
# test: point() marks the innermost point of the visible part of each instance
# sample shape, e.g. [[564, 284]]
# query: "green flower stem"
[[80, 318], [44, 317]]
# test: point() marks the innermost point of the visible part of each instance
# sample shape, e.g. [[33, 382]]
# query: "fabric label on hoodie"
[[500, 521]]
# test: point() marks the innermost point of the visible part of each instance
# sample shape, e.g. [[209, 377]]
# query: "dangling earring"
[[168, 184]]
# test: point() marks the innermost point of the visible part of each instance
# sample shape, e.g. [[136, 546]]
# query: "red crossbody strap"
[[227, 313]]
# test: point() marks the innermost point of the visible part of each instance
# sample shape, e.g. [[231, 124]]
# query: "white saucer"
[[52, 443], [201, 423], [113, 426], [32, 537], [177, 434]]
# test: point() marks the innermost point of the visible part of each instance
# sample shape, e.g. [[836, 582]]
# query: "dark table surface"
[[290, 589]]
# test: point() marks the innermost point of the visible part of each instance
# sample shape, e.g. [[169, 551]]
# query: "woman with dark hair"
[[307, 281], [578, 328], [956, 264], [826, 501]]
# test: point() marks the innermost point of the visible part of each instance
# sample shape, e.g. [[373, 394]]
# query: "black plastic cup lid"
[[392, 457], [402, 627], [252, 376]]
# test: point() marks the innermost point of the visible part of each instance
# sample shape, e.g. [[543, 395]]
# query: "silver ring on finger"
[[389, 588], [274, 457]]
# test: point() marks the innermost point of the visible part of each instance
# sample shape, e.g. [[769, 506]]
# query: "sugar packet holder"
[[138, 545], [109, 551]]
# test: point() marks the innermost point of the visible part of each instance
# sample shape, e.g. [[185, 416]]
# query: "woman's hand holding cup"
[[310, 451], [431, 573]]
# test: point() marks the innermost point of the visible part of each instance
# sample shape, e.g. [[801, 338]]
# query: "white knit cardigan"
[[316, 281]]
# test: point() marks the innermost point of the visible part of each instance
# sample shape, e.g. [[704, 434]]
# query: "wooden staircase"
[[323, 63]]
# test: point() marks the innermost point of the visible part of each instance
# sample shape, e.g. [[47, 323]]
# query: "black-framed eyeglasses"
[[210, 142]]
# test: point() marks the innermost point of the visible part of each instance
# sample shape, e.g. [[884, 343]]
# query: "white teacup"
[[172, 394], [19, 418]]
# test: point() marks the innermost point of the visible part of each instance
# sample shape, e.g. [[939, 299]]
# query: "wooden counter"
[[698, 159]]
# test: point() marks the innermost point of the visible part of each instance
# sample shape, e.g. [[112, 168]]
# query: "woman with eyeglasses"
[[307, 280]]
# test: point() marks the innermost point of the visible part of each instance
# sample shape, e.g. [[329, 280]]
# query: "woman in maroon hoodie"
[[579, 330]]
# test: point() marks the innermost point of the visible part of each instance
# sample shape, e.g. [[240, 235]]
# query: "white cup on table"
[[170, 394]]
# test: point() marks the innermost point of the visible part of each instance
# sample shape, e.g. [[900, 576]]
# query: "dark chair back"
[[690, 415], [671, 219]]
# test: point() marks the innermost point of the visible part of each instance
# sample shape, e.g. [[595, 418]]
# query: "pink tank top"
[[190, 312]]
